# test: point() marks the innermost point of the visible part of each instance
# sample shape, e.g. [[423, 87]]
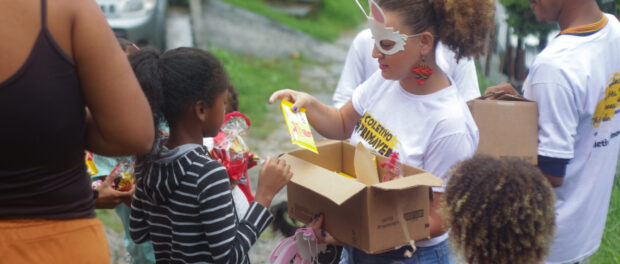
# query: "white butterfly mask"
[[393, 41]]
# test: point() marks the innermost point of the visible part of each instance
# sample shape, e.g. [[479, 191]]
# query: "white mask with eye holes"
[[387, 40]]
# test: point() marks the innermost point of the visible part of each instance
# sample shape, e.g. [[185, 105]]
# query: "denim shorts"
[[437, 254]]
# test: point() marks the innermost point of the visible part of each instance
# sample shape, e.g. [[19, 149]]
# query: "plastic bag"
[[230, 149], [122, 175], [393, 166]]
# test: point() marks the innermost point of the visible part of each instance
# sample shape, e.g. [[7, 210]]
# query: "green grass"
[[334, 17], [110, 219], [482, 81], [609, 252], [255, 80]]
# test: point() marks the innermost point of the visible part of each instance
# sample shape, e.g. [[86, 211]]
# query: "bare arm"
[[120, 120], [328, 121], [437, 227], [554, 180]]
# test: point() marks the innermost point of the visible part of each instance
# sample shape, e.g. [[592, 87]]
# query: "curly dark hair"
[[499, 211], [462, 25]]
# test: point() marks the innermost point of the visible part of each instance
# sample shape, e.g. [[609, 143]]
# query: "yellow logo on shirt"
[[376, 135], [606, 108]]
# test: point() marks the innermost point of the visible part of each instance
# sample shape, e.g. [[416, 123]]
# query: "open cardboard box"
[[508, 126], [361, 212]]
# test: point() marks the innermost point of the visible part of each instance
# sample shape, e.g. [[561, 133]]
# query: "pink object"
[[96, 184], [301, 248], [394, 167], [376, 12]]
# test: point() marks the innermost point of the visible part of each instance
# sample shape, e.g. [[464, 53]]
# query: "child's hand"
[[274, 174], [299, 99]]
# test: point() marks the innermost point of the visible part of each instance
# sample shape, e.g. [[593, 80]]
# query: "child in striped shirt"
[[183, 201]]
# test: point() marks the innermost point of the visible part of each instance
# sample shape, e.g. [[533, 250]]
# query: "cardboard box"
[[508, 126], [361, 211]]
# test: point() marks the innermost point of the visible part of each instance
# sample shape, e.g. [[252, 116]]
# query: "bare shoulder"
[[61, 18]]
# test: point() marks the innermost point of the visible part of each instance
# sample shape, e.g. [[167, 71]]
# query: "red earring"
[[422, 72]]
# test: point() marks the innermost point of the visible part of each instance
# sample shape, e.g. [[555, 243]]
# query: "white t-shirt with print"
[[360, 65], [431, 132], [576, 83]]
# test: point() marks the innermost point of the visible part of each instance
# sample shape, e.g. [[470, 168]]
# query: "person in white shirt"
[[576, 82], [360, 65], [410, 106]]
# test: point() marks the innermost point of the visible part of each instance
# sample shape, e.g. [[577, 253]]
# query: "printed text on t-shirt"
[[376, 135], [606, 108]]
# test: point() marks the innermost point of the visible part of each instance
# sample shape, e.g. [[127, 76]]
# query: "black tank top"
[[42, 128]]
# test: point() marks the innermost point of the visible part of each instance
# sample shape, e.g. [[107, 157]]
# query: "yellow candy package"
[[298, 126], [90, 164]]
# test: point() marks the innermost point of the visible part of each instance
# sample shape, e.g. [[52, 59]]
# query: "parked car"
[[140, 21]]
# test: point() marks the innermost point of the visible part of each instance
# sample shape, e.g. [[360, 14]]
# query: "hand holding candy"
[[126, 182], [109, 197], [299, 99]]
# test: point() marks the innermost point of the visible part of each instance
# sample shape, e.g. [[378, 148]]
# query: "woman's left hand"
[[109, 198], [320, 234]]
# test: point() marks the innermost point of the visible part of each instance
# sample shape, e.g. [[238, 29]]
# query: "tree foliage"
[[608, 7], [522, 19]]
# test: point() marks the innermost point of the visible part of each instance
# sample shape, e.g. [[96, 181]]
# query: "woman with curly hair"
[[410, 102], [499, 210]]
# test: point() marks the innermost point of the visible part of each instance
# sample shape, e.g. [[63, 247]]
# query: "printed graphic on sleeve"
[[606, 108], [376, 135]]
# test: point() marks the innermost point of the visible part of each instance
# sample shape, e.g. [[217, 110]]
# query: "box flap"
[[326, 183], [330, 157], [422, 179], [327, 142], [365, 165]]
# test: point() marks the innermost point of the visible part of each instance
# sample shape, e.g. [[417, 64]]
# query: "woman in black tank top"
[[46, 88]]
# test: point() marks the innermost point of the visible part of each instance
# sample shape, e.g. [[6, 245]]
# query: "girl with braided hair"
[[410, 101], [499, 211]]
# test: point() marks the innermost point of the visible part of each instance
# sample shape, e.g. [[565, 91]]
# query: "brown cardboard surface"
[[303, 204], [372, 218], [507, 127], [421, 179], [365, 165], [339, 188], [385, 225]]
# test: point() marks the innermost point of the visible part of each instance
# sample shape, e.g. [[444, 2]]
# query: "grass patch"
[[110, 219], [268, 233], [255, 80], [608, 252], [333, 17]]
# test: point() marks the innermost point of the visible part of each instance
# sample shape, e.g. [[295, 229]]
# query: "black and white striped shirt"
[[183, 204]]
